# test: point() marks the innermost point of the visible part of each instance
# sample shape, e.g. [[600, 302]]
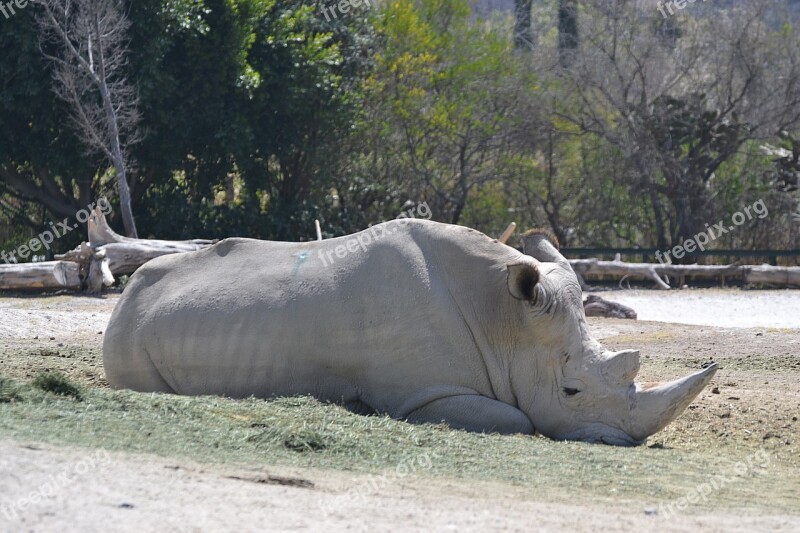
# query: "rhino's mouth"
[[603, 434]]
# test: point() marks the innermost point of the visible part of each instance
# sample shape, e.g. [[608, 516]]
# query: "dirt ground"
[[752, 405], [142, 493]]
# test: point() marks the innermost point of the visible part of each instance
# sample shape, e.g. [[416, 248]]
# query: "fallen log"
[[108, 254], [93, 267], [121, 255], [593, 267], [772, 275], [100, 233], [44, 275], [125, 257], [657, 272]]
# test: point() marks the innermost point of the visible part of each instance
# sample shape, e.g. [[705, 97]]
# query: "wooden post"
[[319, 230], [508, 233]]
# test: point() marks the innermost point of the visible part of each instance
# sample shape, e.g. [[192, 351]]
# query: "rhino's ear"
[[522, 279]]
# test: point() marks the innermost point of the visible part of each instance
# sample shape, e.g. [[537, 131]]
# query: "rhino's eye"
[[570, 392]]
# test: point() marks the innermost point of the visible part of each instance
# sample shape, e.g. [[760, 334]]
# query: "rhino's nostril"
[[570, 392]]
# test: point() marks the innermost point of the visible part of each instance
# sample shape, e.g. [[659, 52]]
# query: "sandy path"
[[63, 317], [714, 307], [48, 489]]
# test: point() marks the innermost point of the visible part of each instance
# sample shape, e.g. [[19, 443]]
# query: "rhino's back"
[[244, 317]]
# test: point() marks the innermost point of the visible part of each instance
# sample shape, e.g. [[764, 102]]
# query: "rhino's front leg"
[[473, 413]]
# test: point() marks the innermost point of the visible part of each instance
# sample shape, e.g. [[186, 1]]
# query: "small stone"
[[651, 511], [715, 390]]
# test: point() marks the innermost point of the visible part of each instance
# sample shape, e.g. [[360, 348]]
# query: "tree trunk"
[[116, 149], [567, 31], [523, 31]]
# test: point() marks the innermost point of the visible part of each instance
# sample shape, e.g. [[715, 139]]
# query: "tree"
[[41, 164], [677, 111], [90, 77], [442, 101]]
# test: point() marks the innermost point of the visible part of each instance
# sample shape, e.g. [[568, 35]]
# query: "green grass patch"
[[8, 391], [57, 383]]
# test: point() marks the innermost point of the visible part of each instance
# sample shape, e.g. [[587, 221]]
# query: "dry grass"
[[303, 432]]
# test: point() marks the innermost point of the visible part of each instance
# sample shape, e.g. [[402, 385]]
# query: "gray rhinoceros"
[[422, 321]]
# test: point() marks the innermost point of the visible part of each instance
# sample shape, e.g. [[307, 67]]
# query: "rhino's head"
[[577, 390]]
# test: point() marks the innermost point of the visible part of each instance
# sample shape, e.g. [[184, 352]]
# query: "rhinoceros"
[[422, 321]]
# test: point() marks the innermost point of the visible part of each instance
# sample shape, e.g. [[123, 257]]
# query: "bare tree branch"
[[90, 39]]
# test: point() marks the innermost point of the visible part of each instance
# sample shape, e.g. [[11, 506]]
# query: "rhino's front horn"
[[655, 407]]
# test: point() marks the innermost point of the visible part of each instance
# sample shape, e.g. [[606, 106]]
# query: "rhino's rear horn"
[[655, 407], [543, 246]]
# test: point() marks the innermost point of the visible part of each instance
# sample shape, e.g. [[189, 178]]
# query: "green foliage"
[[443, 93], [258, 90], [44, 173], [122, 282], [260, 116]]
